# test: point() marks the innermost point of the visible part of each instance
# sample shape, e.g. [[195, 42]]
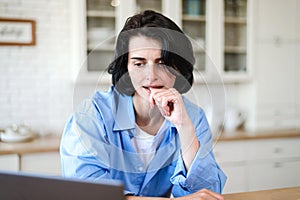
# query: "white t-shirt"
[[145, 144]]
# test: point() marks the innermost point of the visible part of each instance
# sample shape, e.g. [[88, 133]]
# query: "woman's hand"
[[203, 194], [170, 104]]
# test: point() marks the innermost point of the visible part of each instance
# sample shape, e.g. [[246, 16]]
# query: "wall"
[[35, 85]]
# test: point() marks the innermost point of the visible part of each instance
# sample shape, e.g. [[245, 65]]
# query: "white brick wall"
[[35, 85]]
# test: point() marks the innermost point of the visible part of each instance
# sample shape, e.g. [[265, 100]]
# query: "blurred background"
[[54, 53]]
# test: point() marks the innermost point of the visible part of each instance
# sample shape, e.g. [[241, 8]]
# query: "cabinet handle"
[[277, 41], [277, 150], [277, 165]]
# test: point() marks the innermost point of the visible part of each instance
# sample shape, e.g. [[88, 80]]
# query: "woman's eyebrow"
[[141, 58], [137, 58]]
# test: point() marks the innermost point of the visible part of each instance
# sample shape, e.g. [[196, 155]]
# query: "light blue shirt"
[[96, 144]]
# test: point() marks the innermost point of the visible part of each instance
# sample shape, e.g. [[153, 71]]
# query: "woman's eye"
[[161, 64], [139, 64]]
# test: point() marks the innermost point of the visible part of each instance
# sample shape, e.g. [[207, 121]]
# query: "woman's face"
[[145, 66]]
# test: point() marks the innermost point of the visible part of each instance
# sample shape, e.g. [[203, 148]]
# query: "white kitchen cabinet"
[[220, 31], [42, 163], [236, 177], [270, 11], [276, 100], [232, 159], [271, 174], [230, 151], [273, 163], [39, 163], [9, 162], [276, 72], [273, 149], [259, 164]]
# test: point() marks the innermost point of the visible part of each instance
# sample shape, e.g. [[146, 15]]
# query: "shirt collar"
[[124, 118]]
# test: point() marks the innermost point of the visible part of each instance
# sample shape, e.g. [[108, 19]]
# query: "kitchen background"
[[37, 81], [41, 84]]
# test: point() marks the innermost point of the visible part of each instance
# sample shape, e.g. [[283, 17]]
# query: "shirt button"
[[140, 168]]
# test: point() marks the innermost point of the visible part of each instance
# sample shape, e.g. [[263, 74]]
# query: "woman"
[[143, 131]]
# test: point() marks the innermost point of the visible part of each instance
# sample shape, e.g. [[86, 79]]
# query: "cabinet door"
[[273, 174], [236, 177], [9, 162], [276, 69], [235, 35], [194, 25], [44, 163], [100, 24], [231, 158], [261, 150], [277, 18], [227, 152]]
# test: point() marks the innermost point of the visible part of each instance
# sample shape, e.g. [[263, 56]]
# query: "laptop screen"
[[15, 186]]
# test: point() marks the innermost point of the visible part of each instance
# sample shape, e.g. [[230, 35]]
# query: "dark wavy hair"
[[177, 51]]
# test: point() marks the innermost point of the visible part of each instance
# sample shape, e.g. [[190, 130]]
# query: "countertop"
[[51, 143], [48, 143], [258, 135], [274, 194]]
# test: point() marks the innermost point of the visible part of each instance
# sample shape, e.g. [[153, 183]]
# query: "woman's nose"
[[151, 72]]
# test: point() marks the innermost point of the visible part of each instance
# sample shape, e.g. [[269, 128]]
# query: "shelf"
[[235, 49], [235, 20], [101, 13], [197, 18]]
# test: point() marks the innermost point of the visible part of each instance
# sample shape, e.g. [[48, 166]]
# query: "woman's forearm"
[[189, 143]]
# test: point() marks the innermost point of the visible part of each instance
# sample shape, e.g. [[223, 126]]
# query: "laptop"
[[22, 186]]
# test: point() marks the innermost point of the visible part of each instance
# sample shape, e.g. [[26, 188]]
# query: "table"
[[274, 194]]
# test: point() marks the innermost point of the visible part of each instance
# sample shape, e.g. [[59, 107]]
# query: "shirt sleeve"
[[204, 172], [84, 150]]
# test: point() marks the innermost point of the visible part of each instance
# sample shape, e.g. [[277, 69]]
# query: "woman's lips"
[[153, 87], [148, 88]]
